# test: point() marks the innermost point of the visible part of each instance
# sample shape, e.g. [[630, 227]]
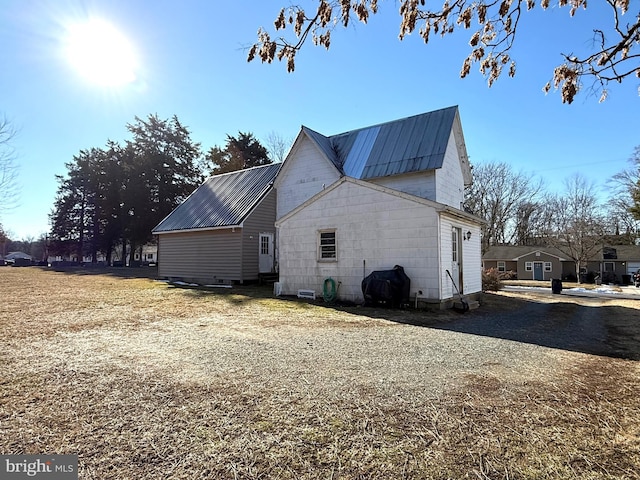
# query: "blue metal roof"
[[222, 200], [407, 145]]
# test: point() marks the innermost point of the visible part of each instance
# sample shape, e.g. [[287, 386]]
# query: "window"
[[547, 266], [264, 245], [608, 267], [528, 266], [454, 245], [502, 267], [327, 245], [149, 256]]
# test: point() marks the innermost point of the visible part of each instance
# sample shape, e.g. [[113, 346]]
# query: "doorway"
[[538, 269], [265, 253], [456, 258]]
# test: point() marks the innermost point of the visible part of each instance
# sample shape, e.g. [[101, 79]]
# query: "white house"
[[370, 199]]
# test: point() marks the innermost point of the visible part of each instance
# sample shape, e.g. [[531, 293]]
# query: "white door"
[[456, 257], [265, 253]]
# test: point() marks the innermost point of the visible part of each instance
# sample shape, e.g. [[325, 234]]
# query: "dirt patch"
[[146, 381]]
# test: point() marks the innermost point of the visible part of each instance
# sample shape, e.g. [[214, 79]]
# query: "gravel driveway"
[[146, 381]]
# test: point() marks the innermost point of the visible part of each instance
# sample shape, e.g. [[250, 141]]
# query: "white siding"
[[471, 256], [374, 231], [449, 179], [420, 184], [302, 176]]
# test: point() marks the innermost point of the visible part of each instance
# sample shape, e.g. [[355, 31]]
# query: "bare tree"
[[506, 200], [494, 25], [8, 168], [277, 146], [621, 204], [578, 226]]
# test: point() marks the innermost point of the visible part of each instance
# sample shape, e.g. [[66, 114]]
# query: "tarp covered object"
[[387, 287]]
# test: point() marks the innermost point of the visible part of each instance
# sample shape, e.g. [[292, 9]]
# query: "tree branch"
[[497, 21]]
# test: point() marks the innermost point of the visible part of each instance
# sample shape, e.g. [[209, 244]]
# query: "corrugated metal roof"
[[223, 200], [407, 145], [360, 151]]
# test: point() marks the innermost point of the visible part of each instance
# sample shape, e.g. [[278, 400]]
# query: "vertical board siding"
[[302, 176], [403, 233], [203, 257], [261, 220]]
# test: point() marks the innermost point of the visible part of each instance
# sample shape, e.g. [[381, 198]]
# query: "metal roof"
[[325, 145], [407, 145], [222, 200]]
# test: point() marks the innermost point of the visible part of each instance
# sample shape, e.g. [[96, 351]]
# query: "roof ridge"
[[397, 120]]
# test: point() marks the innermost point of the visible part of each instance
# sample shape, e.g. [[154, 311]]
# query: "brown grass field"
[[143, 380]]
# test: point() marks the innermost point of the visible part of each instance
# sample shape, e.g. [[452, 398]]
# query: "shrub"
[[491, 280]]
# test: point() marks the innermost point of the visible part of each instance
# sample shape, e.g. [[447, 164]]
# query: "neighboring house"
[[617, 262], [373, 198], [528, 263], [18, 258], [223, 232], [612, 264], [147, 254]]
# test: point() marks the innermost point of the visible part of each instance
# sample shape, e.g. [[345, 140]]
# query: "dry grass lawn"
[[146, 381]]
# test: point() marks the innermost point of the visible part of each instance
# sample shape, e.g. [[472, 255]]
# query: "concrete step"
[[472, 304]]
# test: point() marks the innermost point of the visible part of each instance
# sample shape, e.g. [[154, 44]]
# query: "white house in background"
[[373, 198]]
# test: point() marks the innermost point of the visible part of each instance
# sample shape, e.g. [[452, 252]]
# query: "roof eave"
[[199, 229]]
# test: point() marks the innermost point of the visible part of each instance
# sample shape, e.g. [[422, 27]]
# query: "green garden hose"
[[329, 292]]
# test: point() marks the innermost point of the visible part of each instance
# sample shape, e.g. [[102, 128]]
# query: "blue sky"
[[192, 63]]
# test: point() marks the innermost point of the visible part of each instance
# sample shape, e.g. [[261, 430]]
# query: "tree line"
[[110, 198], [518, 210]]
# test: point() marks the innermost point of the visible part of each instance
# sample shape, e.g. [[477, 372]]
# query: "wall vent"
[[309, 294]]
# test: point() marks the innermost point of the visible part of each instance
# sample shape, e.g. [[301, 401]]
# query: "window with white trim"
[[327, 248], [547, 266], [528, 266], [502, 267]]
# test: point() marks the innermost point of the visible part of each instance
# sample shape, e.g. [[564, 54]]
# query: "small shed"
[[223, 232]]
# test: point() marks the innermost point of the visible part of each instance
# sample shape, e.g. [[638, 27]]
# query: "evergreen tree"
[[160, 171], [243, 151], [118, 194]]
